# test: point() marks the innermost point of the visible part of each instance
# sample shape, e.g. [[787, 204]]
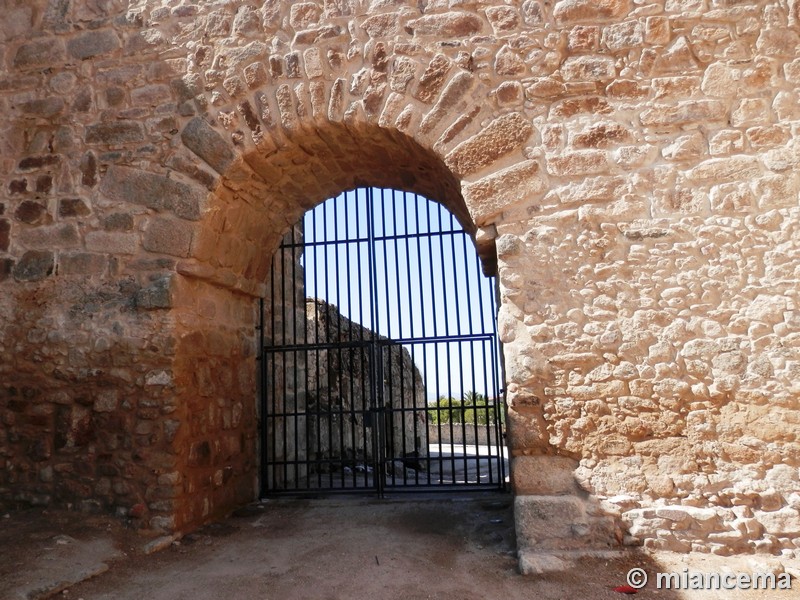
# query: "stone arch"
[[256, 200]]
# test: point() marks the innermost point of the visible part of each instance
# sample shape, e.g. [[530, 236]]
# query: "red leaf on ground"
[[625, 589]]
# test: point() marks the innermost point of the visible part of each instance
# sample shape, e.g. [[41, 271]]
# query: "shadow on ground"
[[345, 548]]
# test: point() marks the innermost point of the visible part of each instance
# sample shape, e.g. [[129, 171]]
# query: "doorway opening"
[[380, 363]]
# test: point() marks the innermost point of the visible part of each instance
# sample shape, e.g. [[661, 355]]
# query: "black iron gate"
[[380, 366]]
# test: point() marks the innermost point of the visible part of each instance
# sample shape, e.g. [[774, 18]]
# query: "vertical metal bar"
[[429, 237], [459, 345], [262, 399], [341, 401], [420, 287], [318, 452], [284, 375], [497, 371], [407, 403], [468, 283], [380, 467], [350, 355], [362, 352], [295, 360], [386, 381], [447, 345]]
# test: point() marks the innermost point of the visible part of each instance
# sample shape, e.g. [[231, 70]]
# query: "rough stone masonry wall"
[[339, 390], [633, 162]]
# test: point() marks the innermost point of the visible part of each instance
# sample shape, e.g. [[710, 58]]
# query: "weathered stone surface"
[[84, 264], [72, 207], [432, 80], [542, 520], [574, 11], [40, 53], [93, 43], [31, 212], [500, 137], [446, 25], [168, 236], [545, 475], [489, 196], [588, 68], [209, 145], [34, 265], [158, 192], [115, 132], [5, 235]]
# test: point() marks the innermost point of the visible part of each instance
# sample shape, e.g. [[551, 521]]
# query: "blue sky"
[[427, 286]]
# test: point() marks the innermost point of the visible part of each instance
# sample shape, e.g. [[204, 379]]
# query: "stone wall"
[[339, 389], [634, 165]]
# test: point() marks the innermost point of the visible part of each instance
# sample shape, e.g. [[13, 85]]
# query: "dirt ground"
[[322, 549]]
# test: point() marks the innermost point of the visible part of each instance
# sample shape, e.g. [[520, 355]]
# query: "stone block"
[[581, 162], [152, 190], [602, 135], [432, 80], [34, 265], [574, 106], [30, 212], [783, 523], [566, 12], [451, 25], [726, 169], [115, 132], [112, 243], [380, 25], [448, 103], [47, 237], [31, 163], [621, 36], [547, 521], [118, 222], [503, 18], [151, 95], [489, 196], [43, 107], [684, 113], [588, 68], [500, 137], [106, 401], [93, 43], [168, 236], [46, 52], [538, 563], [6, 268], [545, 475], [72, 207], [209, 145], [82, 263], [157, 295]]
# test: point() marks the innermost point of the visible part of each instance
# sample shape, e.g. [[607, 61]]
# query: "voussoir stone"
[[168, 236], [487, 197], [209, 145], [500, 137]]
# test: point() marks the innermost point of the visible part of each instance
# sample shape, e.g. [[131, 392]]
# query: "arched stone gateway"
[[633, 168]]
